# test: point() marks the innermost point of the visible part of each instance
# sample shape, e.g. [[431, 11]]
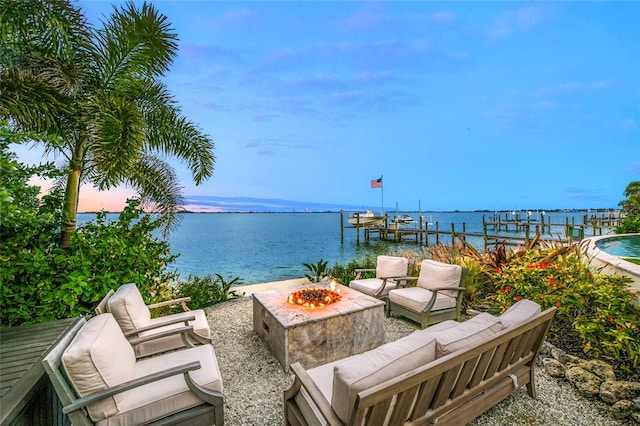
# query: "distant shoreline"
[[593, 210]]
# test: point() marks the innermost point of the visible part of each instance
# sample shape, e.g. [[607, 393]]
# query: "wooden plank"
[[19, 380]]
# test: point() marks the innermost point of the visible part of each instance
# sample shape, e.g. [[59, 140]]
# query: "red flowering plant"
[[598, 305]]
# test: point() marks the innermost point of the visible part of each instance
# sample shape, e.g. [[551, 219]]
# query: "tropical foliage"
[[598, 305], [318, 271], [100, 93], [208, 290], [631, 209], [42, 281]]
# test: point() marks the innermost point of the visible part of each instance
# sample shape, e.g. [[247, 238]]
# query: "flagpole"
[[382, 195]]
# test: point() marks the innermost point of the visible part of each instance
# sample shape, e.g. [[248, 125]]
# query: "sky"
[[457, 105]]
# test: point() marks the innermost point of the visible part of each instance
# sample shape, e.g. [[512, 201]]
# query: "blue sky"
[[458, 105]]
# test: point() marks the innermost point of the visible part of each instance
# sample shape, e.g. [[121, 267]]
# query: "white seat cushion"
[[200, 326], [99, 357], [519, 313], [391, 266], [371, 285], [357, 373], [158, 399], [437, 274], [417, 298], [476, 330], [128, 308]]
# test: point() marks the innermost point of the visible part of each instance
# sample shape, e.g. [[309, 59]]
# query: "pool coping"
[[611, 264]]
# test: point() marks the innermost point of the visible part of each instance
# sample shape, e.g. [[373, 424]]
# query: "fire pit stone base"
[[314, 337]]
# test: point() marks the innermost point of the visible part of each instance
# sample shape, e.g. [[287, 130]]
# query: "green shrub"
[[45, 282], [318, 271], [599, 305], [478, 283], [207, 291], [628, 225], [345, 273]]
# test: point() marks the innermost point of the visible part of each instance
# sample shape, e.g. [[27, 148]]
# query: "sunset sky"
[[458, 105]]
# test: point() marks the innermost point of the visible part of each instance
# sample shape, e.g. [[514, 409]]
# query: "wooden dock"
[[26, 394], [529, 228], [594, 223]]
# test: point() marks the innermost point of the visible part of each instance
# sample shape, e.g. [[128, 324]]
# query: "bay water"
[[264, 247]]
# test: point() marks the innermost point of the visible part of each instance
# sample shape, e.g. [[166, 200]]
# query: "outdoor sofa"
[[448, 374]]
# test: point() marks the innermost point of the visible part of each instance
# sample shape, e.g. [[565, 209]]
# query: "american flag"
[[376, 183]]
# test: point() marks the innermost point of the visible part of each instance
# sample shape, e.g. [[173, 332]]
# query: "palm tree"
[[99, 92]]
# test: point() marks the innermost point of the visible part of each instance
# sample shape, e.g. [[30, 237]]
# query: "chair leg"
[[424, 321], [387, 306], [219, 415]]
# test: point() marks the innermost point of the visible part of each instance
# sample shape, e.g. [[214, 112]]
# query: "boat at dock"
[[367, 219], [403, 219]]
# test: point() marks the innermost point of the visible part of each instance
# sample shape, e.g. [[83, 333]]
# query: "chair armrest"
[[182, 301], [380, 290], [182, 331], [404, 281], [123, 387], [435, 290], [315, 394], [185, 320], [361, 271]]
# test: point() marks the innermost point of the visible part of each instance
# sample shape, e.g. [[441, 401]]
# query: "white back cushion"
[[376, 366], [478, 329], [99, 357], [519, 313], [391, 266], [128, 308], [437, 274]]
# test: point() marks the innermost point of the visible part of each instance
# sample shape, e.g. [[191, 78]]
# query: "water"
[[263, 247], [628, 246]]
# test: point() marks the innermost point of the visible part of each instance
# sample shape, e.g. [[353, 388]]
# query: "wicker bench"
[[449, 373]]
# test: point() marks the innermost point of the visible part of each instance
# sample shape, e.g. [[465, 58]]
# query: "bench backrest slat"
[[404, 403], [465, 376]]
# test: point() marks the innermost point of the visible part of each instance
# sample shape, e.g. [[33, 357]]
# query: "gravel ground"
[[254, 381]]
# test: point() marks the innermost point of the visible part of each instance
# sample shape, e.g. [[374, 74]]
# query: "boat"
[[403, 219], [367, 219]]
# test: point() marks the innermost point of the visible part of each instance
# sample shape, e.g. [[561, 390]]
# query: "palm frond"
[[168, 131], [117, 139], [156, 182], [45, 28], [28, 101], [134, 42]]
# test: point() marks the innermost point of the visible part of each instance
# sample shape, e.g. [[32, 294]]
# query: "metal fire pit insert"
[[313, 337]]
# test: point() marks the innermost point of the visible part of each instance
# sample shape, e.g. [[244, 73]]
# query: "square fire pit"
[[315, 336]]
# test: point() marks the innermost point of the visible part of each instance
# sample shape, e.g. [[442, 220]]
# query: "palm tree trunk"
[[70, 208]]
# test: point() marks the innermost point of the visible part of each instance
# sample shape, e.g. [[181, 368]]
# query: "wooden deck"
[[26, 396]]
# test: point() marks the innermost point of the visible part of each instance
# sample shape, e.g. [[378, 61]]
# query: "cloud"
[[537, 110], [250, 204], [586, 194], [519, 20], [270, 147], [573, 88], [633, 169], [630, 124]]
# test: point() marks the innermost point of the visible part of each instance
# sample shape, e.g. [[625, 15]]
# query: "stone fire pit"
[[295, 333]]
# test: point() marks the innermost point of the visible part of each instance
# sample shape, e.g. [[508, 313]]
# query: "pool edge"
[[610, 264]]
